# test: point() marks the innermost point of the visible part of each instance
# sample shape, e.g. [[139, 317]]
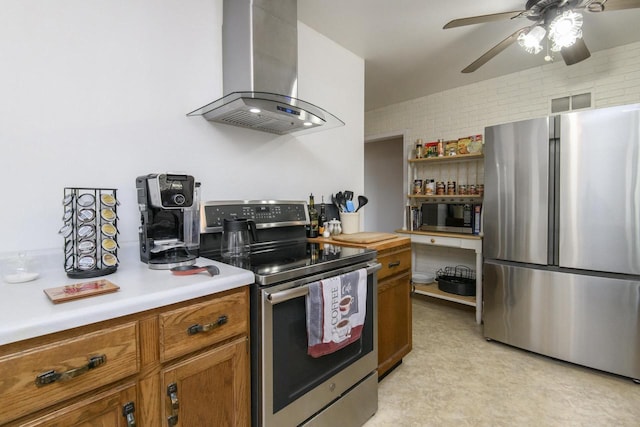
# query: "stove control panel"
[[266, 214]]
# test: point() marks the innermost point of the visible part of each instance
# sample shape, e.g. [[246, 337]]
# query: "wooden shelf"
[[449, 159], [432, 290], [444, 198]]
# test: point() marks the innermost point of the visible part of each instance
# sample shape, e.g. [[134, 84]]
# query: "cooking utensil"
[[350, 207], [348, 201], [185, 270], [335, 202], [342, 202], [362, 200]]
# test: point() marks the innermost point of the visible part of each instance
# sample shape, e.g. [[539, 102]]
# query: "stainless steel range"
[[289, 387]]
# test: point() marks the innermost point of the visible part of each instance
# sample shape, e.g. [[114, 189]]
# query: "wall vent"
[[568, 103]]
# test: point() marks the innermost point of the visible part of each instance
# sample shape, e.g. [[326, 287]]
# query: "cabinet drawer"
[[451, 242], [200, 325], [39, 377], [394, 263], [102, 409]]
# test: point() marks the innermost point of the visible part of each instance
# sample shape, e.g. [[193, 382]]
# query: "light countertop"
[[27, 312]]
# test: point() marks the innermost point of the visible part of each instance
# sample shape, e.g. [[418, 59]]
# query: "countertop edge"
[[26, 312]]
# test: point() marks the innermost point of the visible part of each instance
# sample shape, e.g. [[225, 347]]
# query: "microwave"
[[446, 217]]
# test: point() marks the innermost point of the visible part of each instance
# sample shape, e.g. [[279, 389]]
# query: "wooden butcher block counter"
[[394, 292]]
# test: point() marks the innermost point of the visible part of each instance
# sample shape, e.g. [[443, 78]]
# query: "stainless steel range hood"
[[260, 71]]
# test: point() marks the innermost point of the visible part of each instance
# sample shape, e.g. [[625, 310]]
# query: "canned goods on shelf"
[[430, 187], [451, 188], [417, 186]]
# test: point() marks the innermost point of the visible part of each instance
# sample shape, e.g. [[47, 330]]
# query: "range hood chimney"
[[260, 71]]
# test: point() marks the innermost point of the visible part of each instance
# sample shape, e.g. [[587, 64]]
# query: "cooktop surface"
[[278, 263]]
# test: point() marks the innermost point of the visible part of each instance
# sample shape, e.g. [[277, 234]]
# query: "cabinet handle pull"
[[53, 376], [433, 240], [127, 412], [394, 264], [197, 328], [172, 392]]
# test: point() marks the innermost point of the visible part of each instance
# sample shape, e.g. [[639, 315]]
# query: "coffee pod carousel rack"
[[90, 231]]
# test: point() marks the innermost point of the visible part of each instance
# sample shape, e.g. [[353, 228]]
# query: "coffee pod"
[[66, 230], [109, 260], [86, 215], [86, 246], [109, 244], [86, 263], [108, 200], [86, 231], [109, 230], [68, 214], [108, 214], [86, 200]]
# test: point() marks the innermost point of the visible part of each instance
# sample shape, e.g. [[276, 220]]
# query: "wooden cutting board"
[[364, 237]]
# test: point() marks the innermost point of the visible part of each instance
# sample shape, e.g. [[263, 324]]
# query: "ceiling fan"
[[559, 20]]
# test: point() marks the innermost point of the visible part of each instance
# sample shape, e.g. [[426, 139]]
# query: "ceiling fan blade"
[[482, 18], [618, 4], [495, 50], [575, 53]]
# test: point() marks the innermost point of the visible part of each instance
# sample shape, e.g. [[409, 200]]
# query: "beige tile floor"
[[453, 377]]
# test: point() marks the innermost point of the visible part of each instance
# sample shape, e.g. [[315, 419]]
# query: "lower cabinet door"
[[394, 321], [209, 389], [112, 408]]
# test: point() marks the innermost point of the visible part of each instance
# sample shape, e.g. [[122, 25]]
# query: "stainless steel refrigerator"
[[562, 237]]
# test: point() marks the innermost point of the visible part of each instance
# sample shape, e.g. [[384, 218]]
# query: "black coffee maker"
[[169, 220]]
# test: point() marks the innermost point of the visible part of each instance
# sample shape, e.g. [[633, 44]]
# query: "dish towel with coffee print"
[[336, 309]]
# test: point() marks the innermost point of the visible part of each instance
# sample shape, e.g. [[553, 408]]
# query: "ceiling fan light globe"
[[532, 39], [565, 29]]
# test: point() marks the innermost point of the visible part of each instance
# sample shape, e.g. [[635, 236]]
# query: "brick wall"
[[612, 76]]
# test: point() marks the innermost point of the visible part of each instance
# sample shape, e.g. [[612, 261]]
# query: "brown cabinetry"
[[117, 372], [114, 408], [394, 304], [211, 388], [394, 298]]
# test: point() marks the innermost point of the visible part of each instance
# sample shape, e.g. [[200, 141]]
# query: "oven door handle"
[[286, 295], [301, 291]]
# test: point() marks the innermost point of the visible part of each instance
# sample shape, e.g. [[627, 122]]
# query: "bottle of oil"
[[313, 217], [322, 219]]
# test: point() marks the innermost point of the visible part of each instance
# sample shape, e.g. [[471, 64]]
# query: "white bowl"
[[423, 278]]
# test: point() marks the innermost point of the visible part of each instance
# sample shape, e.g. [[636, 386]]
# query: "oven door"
[[295, 386]]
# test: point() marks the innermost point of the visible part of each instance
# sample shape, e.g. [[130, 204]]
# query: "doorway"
[[384, 183]]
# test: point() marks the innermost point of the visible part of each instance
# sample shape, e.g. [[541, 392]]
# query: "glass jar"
[[440, 188]]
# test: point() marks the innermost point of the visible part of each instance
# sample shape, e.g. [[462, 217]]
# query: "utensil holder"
[[350, 222], [90, 231]]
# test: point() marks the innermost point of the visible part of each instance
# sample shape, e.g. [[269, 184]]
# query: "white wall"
[[96, 93], [384, 184], [612, 76]]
